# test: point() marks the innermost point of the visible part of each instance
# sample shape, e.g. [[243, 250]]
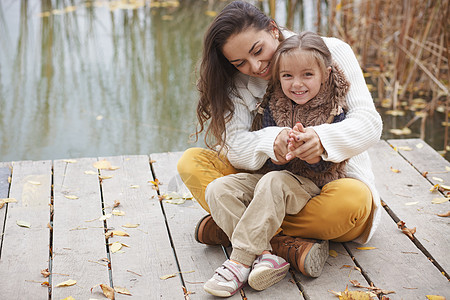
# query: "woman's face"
[[251, 51]]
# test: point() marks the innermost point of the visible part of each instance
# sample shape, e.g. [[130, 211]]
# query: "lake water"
[[102, 78]]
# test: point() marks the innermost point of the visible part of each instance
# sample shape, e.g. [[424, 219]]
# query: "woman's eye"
[[259, 51], [239, 64]]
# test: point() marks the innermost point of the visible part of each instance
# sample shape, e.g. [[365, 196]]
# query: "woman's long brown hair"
[[216, 73]]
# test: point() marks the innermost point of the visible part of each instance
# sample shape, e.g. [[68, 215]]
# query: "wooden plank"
[[192, 254], [396, 264], [336, 275], [25, 251], [424, 159], [408, 195], [182, 218], [78, 235], [149, 254], [5, 173]]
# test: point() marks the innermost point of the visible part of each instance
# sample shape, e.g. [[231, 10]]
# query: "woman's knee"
[[188, 159]]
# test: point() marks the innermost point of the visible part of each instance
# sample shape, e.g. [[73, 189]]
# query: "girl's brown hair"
[[216, 73], [304, 41]]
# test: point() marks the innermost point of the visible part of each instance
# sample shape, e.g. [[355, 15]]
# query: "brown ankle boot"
[[207, 232], [305, 255]]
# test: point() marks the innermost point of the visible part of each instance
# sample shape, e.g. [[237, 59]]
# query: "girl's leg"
[[340, 213], [198, 167]]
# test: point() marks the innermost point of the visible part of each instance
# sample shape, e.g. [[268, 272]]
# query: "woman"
[[234, 72]]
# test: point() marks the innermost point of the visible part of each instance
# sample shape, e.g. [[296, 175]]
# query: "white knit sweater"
[[347, 139]]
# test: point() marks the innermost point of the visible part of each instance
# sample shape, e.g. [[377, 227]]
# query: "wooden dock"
[[64, 207]]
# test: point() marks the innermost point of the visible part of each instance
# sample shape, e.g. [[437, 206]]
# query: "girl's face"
[[300, 76], [251, 51]]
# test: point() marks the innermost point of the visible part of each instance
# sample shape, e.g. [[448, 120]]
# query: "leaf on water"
[[23, 224], [395, 170], [366, 248], [167, 18], [69, 282], [447, 214], [211, 13], [117, 212], [395, 113], [71, 197], [34, 182], [128, 225], [333, 253], [44, 14], [102, 164], [439, 200], [438, 179], [164, 277], [90, 172], [107, 291], [104, 217], [45, 273], [403, 131], [69, 161], [116, 246], [122, 290], [120, 233]]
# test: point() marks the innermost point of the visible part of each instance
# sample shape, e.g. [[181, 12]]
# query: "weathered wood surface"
[[25, 251], [164, 243], [149, 254]]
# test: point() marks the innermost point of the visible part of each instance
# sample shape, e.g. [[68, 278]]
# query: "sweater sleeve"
[[362, 126], [247, 149]]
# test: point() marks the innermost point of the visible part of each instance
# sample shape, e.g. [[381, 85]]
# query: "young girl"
[[306, 87]]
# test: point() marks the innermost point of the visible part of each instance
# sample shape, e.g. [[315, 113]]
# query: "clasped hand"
[[300, 142]]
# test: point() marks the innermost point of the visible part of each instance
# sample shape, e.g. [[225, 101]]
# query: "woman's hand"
[[310, 148], [280, 147]]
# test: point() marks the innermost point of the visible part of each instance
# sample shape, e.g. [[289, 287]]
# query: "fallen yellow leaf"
[[89, 172], [333, 253], [439, 200], [447, 214], [366, 248], [117, 212], [107, 291], [164, 277], [120, 233], [34, 182], [69, 298], [104, 217], [395, 170], [102, 164], [69, 282], [405, 148], [122, 290], [435, 297], [438, 179], [134, 186], [23, 224], [128, 225], [105, 176], [445, 187], [412, 203], [70, 161], [419, 146], [71, 197], [116, 246]]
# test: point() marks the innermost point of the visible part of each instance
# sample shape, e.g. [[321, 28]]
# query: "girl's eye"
[[286, 75], [239, 64], [309, 74]]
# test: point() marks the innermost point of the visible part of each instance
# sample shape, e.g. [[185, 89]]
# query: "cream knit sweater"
[[348, 139]]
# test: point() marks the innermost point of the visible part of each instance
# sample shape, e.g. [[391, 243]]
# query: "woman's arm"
[[250, 150], [362, 126]]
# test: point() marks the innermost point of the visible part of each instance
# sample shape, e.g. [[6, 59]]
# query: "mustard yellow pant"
[[339, 213]]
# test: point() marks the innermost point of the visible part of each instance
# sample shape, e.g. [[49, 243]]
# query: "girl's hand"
[[280, 147], [310, 149]]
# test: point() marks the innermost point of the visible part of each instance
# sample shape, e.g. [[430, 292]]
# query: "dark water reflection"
[[87, 79]]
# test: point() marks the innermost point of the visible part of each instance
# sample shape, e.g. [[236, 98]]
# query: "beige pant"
[[251, 207]]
